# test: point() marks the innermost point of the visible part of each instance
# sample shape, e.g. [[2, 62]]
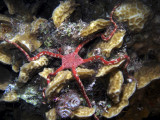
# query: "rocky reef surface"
[[79, 59]]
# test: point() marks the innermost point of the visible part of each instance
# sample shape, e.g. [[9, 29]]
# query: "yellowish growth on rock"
[[115, 85], [11, 96], [64, 76], [4, 85], [27, 41], [63, 11], [94, 26], [134, 12], [60, 78], [128, 90], [5, 18], [36, 24], [51, 114], [83, 111], [115, 110], [46, 72], [16, 66], [146, 74], [106, 47], [27, 68], [5, 57], [108, 68]]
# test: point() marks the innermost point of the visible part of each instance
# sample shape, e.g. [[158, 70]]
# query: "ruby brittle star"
[[72, 61], [114, 23]]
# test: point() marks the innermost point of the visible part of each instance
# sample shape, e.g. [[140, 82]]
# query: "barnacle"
[[134, 12], [63, 11], [27, 68], [94, 26]]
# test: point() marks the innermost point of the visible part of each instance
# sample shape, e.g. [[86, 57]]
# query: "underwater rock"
[[5, 56], [63, 11], [83, 112], [127, 92], [94, 26], [108, 68], [36, 24], [134, 12], [18, 7], [46, 72], [64, 76], [106, 47], [10, 96], [147, 73], [27, 41], [30, 94], [28, 68], [22, 36], [115, 84], [5, 77], [51, 114]]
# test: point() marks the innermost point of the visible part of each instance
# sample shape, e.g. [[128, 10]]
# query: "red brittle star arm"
[[115, 61], [85, 42], [53, 74], [82, 89], [38, 55], [81, 86], [114, 23]]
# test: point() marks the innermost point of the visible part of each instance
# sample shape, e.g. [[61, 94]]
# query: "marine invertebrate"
[[147, 74], [67, 103], [64, 76], [63, 11], [103, 36], [106, 47], [94, 26], [134, 12], [128, 90], [115, 85], [80, 112], [27, 68], [71, 61]]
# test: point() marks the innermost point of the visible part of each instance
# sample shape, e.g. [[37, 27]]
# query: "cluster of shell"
[[134, 13]]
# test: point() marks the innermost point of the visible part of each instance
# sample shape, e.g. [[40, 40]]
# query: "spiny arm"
[[38, 55]]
